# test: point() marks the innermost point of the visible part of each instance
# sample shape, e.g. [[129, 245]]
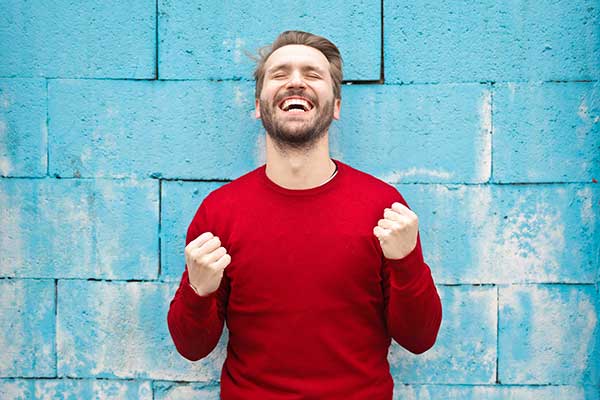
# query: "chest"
[[302, 257]]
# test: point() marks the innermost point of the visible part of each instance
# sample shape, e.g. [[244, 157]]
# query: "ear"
[[336, 108], [257, 108]]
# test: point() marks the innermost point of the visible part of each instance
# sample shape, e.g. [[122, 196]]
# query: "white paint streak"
[[512, 87], [3, 130], [12, 240], [584, 129], [12, 340], [86, 155], [397, 176], [260, 149], [5, 165], [235, 46], [484, 150], [5, 100], [239, 96], [44, 146], [237, 54]]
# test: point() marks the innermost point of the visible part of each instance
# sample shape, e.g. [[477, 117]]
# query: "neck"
[[299, 169]]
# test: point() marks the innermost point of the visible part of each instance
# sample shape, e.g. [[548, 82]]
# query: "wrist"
[[194, 289]]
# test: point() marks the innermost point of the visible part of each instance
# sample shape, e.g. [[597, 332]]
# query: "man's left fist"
[[397, 231]]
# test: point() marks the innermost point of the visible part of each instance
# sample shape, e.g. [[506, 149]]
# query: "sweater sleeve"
[[196, 322], [413, 309]]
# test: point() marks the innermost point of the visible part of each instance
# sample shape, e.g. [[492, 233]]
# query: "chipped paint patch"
[[586, 211], [519, 243], [470, 361], [14, 389]]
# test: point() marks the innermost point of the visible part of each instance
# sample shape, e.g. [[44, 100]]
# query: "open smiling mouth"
[[295, 105]]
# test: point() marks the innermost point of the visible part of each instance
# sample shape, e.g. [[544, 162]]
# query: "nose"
[[296, 80]]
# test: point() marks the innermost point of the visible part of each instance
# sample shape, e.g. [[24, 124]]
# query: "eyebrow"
[[287, 67]]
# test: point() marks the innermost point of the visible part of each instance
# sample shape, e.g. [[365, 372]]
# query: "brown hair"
[[329, 50]]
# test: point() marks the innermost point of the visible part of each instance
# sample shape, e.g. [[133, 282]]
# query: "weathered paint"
[[477, 97]]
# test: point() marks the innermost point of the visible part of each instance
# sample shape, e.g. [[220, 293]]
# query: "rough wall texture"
[[117, 118]]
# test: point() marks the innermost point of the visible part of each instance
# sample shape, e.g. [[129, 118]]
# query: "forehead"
[[297, 54]]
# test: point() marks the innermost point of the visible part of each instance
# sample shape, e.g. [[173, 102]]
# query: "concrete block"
[[47, 389], [465, 349], [416, 133], [27, 326], [506, 233], [182, 391], [446, 41], [103, 39], [196, 130], [495, 392], [23, 128], [57, 228], [549, 334], [119, 330], [179, 203], [205, 39], [546, 132]]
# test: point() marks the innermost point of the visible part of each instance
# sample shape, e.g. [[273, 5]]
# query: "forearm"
[[414, 308], [195, 323]]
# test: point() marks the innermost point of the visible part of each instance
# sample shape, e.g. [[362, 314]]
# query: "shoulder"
[[372, 186], [225, 194]]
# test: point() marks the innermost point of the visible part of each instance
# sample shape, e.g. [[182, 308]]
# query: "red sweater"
[[310, 302]]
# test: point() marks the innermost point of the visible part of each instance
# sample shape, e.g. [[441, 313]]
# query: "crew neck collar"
[[303, 192]]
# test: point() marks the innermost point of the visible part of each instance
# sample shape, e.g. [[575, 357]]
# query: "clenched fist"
[[397, 231], [206, 259]]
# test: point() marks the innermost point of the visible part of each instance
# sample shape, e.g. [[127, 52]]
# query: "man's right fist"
[[206, 260]]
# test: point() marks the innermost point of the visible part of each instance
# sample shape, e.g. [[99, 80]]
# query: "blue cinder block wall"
[[117, 118]]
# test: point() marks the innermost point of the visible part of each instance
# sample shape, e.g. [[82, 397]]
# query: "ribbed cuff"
[[196, 302], [407, 268]]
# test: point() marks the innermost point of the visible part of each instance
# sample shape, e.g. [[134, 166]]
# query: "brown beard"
[[303, 137]]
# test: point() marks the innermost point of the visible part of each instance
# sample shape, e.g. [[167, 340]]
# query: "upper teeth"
[[289, 102]]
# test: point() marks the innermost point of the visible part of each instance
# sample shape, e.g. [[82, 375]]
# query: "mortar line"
[[451, 183], [358, 81], [382, 66], [497, 333], [156, 40], [159, 227], [56, 328], [47, 133], [491, 132]]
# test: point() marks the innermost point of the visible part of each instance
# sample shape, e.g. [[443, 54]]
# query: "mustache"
[[296, 92]]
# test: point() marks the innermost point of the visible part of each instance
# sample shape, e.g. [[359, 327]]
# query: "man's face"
[[296, 102]]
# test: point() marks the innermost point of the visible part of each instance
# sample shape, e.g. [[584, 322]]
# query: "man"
[[314, 265]]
